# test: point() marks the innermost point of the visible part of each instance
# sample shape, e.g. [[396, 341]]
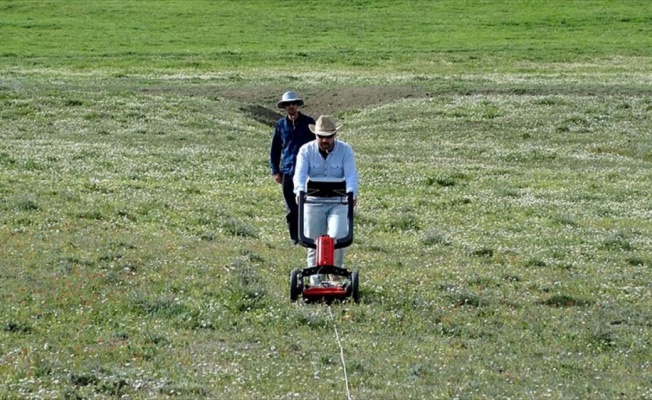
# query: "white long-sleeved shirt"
[[340, 163]]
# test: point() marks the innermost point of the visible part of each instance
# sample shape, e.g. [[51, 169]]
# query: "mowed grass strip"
[[418, 35]]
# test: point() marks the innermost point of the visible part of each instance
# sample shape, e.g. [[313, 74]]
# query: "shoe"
[[336, 280]]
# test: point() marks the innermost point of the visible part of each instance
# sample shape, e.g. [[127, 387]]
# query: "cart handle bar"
[[339, 243]]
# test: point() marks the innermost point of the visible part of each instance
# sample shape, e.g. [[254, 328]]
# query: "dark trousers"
[[291, 207]]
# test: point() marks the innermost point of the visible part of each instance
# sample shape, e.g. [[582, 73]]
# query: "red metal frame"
[[325, 251], [324, 291]]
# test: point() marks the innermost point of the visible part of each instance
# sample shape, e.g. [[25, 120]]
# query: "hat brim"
[[323, 133], [281, 104]]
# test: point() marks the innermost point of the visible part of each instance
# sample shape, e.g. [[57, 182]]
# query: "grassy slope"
[[503, 231]]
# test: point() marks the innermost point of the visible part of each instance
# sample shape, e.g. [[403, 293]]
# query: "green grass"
[[502, 233], [411, 36]]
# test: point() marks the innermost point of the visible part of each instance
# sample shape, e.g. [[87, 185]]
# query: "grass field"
[[503, 232]]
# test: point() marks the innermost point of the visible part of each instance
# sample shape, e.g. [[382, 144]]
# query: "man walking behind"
[[291, 132]]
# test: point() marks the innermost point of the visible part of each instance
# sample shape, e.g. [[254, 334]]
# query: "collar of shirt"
[[325, 153]]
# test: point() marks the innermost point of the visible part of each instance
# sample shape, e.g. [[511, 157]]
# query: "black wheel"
[[295, 285], [354, 286]]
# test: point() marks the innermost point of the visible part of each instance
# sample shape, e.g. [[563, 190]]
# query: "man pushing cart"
[[326, 186]]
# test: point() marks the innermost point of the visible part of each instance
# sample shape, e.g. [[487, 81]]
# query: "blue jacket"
[[288, 138]]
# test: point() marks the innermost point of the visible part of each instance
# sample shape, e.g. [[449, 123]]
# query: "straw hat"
[[325, 126]]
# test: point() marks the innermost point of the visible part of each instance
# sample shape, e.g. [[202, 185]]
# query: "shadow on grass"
[[562, 300]]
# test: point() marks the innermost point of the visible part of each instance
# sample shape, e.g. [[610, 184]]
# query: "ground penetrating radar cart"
[[325, 280]]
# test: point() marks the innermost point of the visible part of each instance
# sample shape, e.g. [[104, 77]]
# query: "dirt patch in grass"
[[260, 103]]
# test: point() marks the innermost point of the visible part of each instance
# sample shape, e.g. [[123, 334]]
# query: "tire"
[[355, 284], [295, 285]]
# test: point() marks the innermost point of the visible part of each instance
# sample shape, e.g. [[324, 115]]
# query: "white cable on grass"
[[339, 343]]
